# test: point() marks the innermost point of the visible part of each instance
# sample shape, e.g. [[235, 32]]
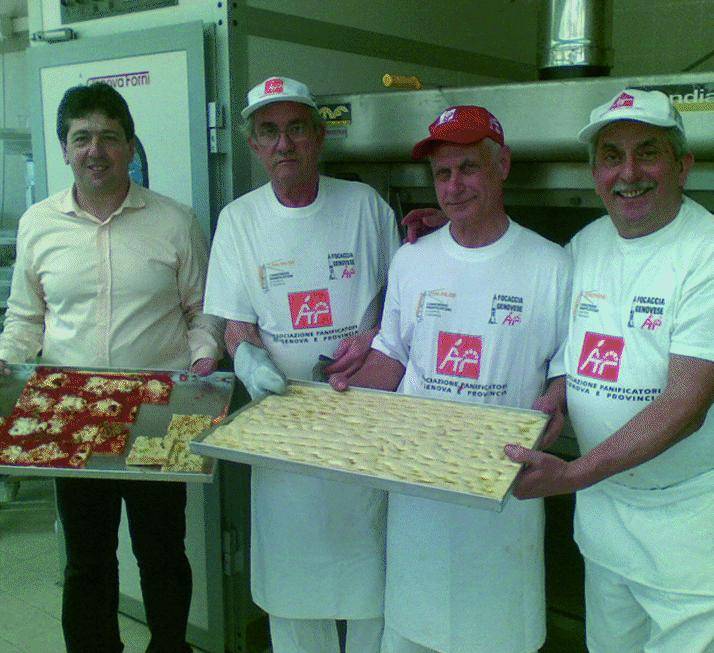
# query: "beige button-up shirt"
[[127, 292]]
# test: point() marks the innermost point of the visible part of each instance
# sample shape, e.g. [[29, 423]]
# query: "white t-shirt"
[[474, 325], [308, 277], [635, 302]]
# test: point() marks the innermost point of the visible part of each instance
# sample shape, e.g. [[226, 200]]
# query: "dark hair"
[[80, 101]]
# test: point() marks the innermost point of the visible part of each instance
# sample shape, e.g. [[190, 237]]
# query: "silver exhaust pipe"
[[574, 38]]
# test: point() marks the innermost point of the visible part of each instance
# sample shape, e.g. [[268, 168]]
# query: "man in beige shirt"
[[110, 274]]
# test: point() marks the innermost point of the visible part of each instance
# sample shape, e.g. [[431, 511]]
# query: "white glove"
[[258, 373]]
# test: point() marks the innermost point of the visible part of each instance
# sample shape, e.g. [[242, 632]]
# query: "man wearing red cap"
[[296, 266], [472, 314], [639, 364]]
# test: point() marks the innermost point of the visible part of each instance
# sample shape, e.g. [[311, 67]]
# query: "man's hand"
[[204, 366], [339, 382], [543, 475], [4, 369], [258, 373], [350, 356], [420, 222]]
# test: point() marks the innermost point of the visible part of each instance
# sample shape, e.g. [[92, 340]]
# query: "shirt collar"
[[68, 204]]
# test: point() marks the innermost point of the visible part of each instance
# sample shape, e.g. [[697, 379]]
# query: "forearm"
[[379, 371], [237, 332], [555, 394], [204, 337], [22, 337], [674, 415]]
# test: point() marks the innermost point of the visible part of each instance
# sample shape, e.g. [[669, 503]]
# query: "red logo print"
[[601, 356], [622, 100], [651, 323], [310, 309], [274, 85], [458, 354]]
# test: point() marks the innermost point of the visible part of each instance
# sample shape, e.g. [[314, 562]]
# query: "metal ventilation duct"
[[574, 38]]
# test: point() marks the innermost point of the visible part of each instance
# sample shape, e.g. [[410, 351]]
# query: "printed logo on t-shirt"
[[506, 310], [275, 273], [458, 354], [341, 265], [646, 312], [601, 356], [434, 303], [310, 309], [586, 303]]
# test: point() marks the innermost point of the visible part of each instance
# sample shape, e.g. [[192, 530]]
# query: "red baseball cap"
[[462, 124]]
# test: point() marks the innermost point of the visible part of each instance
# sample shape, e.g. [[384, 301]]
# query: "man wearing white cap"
[[297, 266], [640, 381], [473, 313]]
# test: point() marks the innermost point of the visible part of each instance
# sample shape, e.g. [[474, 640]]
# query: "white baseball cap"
[[652, 107], [277, 89]]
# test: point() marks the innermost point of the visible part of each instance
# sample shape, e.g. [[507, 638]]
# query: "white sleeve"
[[389, 240], [24, 329], [556, 366], [390, 339], [226, 292], [692, 330], [205, 332]]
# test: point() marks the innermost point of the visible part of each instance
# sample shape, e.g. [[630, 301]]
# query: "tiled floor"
[[29, 593]]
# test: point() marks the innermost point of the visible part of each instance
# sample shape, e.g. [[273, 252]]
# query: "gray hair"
[[248, 125], [674, 135]]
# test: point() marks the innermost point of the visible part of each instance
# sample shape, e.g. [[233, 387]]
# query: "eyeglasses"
[[267, 135]]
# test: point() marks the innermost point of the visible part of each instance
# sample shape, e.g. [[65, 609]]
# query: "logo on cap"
[[495, 125], [446, 116], [622, 100], [273, 86]]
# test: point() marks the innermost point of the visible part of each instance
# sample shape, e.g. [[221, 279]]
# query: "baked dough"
[[182, 429], [171, 450], [448, 445], [147, 451]]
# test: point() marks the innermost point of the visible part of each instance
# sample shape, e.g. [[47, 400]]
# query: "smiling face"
[[290, 159], [638, 177], [99, 154], [468, 180]]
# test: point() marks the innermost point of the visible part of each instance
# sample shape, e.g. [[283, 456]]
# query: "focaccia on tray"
[[449, 445], [171, 451], [147, 451]]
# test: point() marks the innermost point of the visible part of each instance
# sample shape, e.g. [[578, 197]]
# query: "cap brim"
[[586, 134], [300, 99]]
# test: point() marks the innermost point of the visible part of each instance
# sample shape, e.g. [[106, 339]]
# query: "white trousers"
[[320, 635], [627, 617], [393, 642]]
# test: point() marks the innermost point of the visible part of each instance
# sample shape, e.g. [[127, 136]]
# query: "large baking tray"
[[191, 394], [393, 485]]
